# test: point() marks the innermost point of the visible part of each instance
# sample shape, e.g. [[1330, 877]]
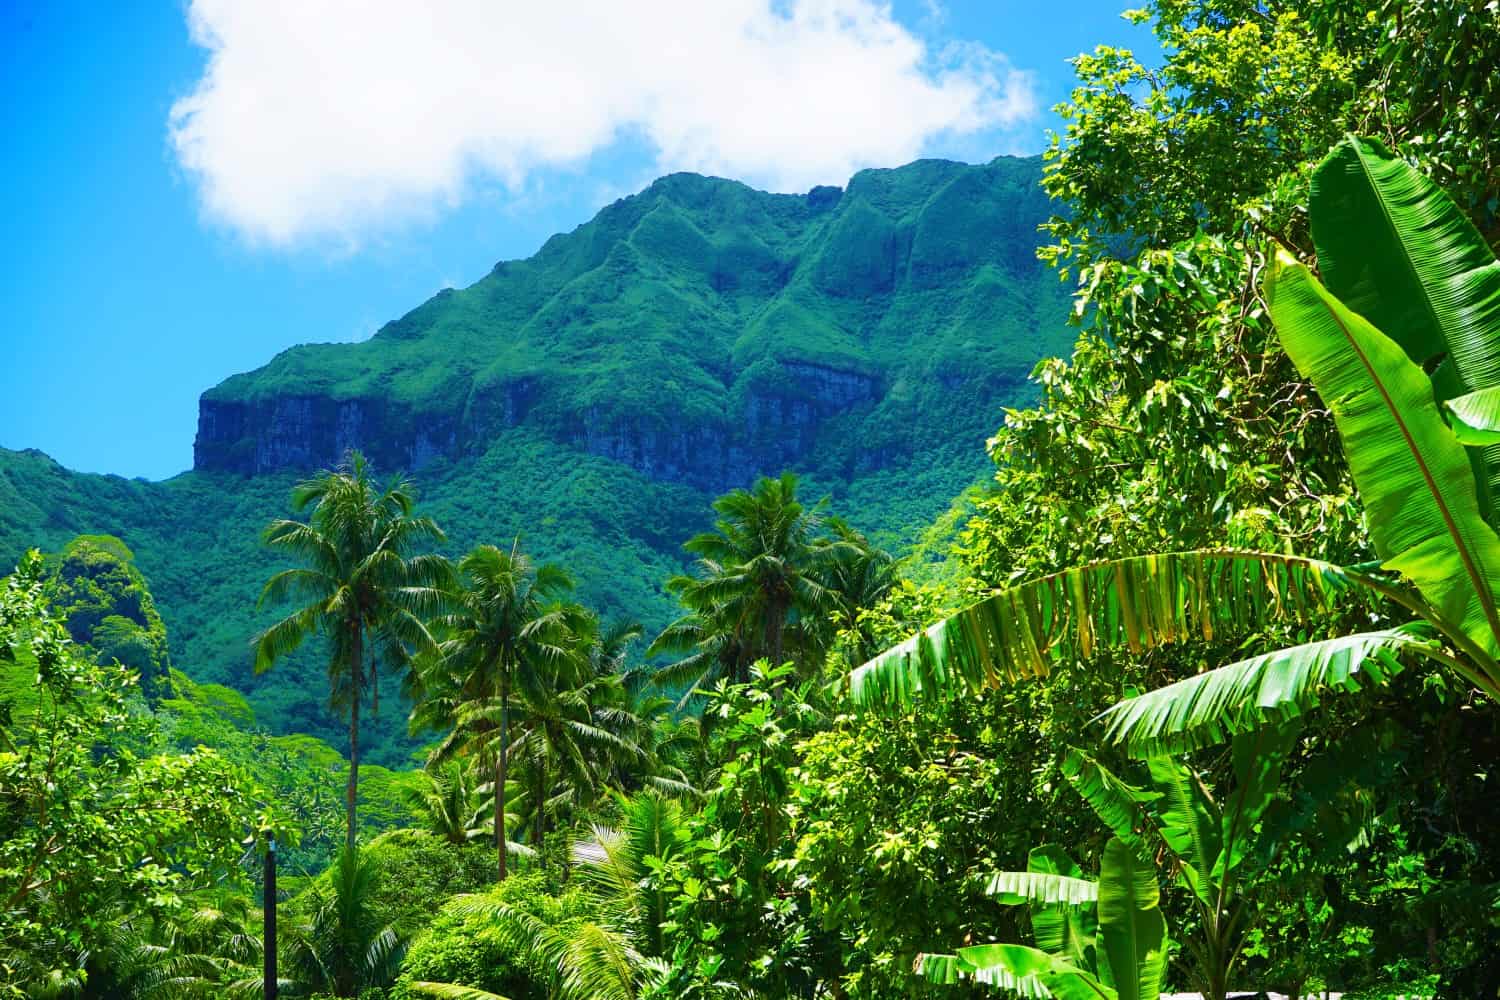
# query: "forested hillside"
[[1205, 697], [592, 399], [833, 331]]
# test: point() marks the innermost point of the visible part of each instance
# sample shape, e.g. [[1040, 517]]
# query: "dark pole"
[[270, 913]]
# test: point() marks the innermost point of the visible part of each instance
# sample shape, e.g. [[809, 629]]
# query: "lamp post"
[[269, 909]]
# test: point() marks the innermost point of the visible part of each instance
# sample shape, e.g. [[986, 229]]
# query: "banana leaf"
[[1068, 932], [1136, 603], [1012, 967], [1190, 824], [1393, 247], [1132, 931], [1121, 806], [1413, 475], [1266, 689], [1475, 417]]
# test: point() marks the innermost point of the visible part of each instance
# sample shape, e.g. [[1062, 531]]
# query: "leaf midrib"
[[1481, 589], [1406, 257]]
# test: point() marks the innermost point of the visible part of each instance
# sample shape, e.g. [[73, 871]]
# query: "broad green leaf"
[[945, 970], [1136, 603], [1257, 758], [1012, 967], [1475, 417], [1132, 931], [1412, 473], [1002, 964], [1121, 807], [1189, 824], [1064, 931], [1266, 689], [1397, 250], [1045, 888]]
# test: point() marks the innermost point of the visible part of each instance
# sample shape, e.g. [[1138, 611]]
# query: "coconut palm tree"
[[710, 642], [577, 728], [362, 585], [759, 582], [505, 635], [858, 576]]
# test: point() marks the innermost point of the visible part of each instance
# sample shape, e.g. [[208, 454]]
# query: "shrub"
[[468, 950]]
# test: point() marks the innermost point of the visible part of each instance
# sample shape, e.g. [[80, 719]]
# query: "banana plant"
[[1211, 845], [1104, 940], [1424, 453]]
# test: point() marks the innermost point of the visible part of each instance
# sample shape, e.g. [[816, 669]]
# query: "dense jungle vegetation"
[[1201, 696], [595, 397]]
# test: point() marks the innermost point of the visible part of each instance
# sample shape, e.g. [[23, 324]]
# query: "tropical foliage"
[[1198, 693], [364, 590]]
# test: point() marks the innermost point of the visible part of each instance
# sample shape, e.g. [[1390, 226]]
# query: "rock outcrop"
[[699, 332]]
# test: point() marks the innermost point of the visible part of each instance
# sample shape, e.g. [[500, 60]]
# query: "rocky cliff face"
[[775, 426], [699, 332]]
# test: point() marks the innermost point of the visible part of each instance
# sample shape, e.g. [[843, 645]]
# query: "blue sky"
[[318, 178]]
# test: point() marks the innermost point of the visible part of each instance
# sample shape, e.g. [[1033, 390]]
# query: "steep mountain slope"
[[196, 539], [594, 398], [699, 332]]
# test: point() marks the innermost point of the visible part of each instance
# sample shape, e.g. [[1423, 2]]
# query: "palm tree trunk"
[[541, 805], [351, 792], [775, 626], [500, 765]]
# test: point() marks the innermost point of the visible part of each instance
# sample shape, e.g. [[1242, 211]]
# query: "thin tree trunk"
[[775, 625], [541, 805], [500, 766], [351, 793]]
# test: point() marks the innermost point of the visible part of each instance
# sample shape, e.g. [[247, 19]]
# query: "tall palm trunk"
[[351, 792], [541, 803], [775, 627], [501, 761]]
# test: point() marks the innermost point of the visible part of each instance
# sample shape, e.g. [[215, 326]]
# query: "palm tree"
[[709, 642], [759, 575], [342, 948], [450, 802], [577, 727], [621, 953], [505, 632], [858, 576], [362, 587], [1397, 253], [672, 749]]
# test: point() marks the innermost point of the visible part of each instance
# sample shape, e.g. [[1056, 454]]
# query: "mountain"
[[596, 396], [698, 332]]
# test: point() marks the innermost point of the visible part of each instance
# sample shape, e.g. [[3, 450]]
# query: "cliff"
[[698, 332]]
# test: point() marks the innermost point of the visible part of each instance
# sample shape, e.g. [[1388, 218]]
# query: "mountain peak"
[[699, 331]]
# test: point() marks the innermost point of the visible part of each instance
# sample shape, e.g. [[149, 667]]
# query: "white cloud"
[[319, 119]]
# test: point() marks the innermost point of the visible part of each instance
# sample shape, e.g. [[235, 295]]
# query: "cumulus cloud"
[[319, 119]]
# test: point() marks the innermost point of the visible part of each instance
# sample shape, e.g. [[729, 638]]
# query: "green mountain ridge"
[[823, 330], [594, 398]]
